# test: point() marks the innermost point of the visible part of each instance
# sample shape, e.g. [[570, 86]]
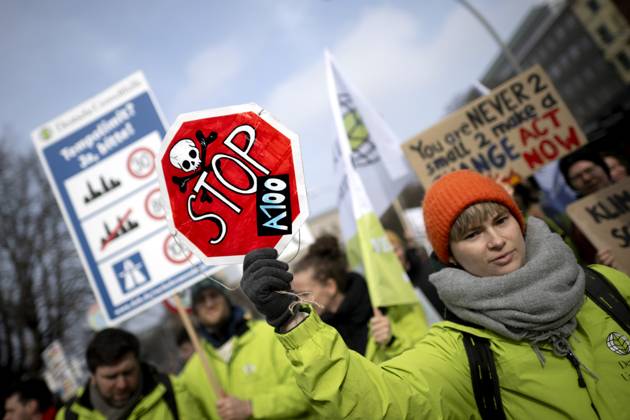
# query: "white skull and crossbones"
[[185, 155]]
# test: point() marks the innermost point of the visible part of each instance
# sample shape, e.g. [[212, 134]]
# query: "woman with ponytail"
[[342, 300]]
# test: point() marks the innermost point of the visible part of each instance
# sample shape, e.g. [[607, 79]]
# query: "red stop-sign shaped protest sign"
[[232, 181]]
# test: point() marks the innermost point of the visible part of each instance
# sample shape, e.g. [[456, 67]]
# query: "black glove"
[[263, 277]]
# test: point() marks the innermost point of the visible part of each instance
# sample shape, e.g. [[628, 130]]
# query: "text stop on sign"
[[232, 181]]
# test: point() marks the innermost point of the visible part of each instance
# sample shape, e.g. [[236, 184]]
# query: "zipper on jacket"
[[576, 364]]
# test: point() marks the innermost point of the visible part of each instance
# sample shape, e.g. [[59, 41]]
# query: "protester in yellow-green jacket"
[[342, 300], [121, 387], [557, 353], [246, 359]]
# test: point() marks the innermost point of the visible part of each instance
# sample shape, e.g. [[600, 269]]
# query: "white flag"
[[367, 245], [375, 151]]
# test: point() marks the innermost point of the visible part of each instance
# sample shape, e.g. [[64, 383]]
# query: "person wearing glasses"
[[586, 173]]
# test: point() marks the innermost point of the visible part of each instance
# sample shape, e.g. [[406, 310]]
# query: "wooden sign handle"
[[212, 379], [400, 213]]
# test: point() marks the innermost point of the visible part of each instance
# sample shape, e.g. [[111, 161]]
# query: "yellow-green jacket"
[[408, 327], [151, 406], [257, 371], [432, 380]]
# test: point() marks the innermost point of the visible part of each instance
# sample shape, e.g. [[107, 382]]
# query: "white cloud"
[[387, 66], [407, 73], [289, 18], [207, 73], [301, 99], [412, 75], [379, 60]]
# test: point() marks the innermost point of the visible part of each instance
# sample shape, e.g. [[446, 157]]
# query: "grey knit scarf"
[[110, 412], [536, 303]]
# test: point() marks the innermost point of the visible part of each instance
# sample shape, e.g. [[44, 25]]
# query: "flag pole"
[[400, 213]]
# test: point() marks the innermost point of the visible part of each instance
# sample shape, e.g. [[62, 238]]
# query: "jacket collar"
[[235, 325], [149, 384]]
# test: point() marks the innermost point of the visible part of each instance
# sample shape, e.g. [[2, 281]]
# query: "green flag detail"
[[387, 281]]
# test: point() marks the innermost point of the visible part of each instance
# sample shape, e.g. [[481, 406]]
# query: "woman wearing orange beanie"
[[551, 352]]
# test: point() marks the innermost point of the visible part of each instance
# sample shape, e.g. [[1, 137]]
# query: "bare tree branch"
[[44, 290]]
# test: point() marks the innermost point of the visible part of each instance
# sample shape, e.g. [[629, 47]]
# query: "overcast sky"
[[409, 58]]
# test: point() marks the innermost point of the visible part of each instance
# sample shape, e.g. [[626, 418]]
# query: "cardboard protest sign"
[[100, 160], [59, 374], [604, 217], [513, 131], [232, 181]]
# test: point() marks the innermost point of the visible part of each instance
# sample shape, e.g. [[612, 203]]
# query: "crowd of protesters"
[[503, 272]]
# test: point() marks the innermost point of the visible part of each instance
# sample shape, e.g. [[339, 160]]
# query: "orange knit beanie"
[[450, 195]]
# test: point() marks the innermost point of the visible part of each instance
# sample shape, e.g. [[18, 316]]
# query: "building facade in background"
[[607, 23], [584, 46]]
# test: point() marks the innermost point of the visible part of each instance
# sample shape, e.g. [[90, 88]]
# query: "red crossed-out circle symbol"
[[174, 252]]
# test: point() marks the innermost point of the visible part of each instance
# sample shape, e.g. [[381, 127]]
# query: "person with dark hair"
[[527, 195], [247, 361], [342, 300], [618, 165], [530, 333], [30, 400], [184, 346], [110, 346], [586, 172], [123, 387], [418, 267]]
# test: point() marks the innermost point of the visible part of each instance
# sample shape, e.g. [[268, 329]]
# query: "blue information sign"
[[100, 160]]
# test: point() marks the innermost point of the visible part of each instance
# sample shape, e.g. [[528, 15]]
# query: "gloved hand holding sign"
[[264, 281]]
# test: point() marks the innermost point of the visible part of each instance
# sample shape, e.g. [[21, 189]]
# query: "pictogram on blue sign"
[[131, 273]]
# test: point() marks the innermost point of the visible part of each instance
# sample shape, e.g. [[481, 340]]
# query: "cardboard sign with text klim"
[[512, 132], [604, 217], [232, 181]]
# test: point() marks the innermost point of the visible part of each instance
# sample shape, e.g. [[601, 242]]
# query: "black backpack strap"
[[483, 373], [69, 414], [169, 395], [607, 297]]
